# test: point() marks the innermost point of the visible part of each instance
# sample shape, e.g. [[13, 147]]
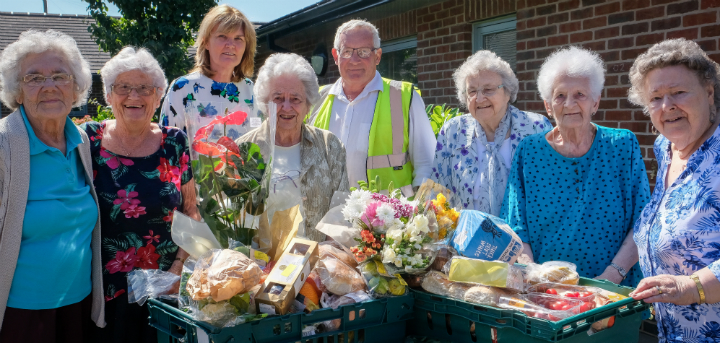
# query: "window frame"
[[485, 27], [399, 44]]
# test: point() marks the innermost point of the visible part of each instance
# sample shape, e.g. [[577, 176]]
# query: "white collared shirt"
[[351, 120]]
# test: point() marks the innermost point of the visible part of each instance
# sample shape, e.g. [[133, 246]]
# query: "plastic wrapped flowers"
[[404, 246]]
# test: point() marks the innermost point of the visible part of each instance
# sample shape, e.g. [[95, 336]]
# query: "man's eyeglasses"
[[36, 80], [361, 52], [487, 92], [123, 89]]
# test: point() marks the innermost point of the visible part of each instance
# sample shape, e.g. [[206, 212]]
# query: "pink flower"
[[184, 162], [114, 161], [123, 262], [147, 258], [169, 173], [370, 216], [152, 238], [134, 211], [126, 199]]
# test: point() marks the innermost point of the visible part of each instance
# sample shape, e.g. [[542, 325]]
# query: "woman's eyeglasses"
[[123, 89], [36, 80], [487, 92]]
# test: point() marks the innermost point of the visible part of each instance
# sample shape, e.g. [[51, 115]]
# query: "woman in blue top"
[[474, 151], [50, 274], [575, 192]]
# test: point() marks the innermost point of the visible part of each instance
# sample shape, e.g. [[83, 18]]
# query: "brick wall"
[[619, 31]]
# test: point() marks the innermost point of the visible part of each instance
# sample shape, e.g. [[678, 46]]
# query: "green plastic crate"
[[379, 320], [447, 319]]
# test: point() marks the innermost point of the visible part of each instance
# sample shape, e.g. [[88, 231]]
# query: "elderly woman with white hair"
[[474, 151], [677, 234], [309, 164], [575, 192], [142, 175], [51, 283]]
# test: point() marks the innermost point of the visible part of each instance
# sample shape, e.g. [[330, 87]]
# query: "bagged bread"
[[457, 290], [486, 273], [484, 295], [335, 249], [436, 283], [337, 277], [552, 271], [221, 274]]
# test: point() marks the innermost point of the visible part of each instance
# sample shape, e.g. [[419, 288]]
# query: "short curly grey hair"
[[128, 59], [574, 62], [286, 64], [356, 24], [36, 42], [485, 60], [673, 52]]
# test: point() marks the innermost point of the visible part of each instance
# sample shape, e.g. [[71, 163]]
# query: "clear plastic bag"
[[486, 273], [543, 306], [338, 251], [337, 277], [150, 283], [552, 271], [335, 301], [436, 283], [434, 197], [380, 282]]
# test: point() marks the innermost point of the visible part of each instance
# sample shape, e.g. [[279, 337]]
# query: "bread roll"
[[337, 277]]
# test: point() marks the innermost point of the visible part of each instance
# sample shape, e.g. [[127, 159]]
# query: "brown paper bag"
[[284, 228]]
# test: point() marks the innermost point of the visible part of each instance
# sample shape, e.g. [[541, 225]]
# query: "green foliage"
[[439, 115], [164, 27], [103, 112]]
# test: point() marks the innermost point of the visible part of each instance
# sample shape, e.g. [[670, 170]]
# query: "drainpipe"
[[45, 6]]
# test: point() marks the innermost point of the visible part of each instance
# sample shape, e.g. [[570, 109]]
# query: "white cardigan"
[[15, 181]]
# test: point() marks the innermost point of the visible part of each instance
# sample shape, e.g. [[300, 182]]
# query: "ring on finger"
[[659, 290]]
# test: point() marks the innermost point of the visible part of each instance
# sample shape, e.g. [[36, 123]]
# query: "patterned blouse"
[[678, 233], [457, 160], [137, 196], [322, 171]]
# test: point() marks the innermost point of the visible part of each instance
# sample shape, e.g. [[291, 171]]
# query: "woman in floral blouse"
[[219, 83], [474, 151], [141, 175], [678, 235]]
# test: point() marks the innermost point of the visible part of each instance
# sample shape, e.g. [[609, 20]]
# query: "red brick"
[[520, 25], [631, 54], [547, 31], [611, 80], [645, 139], [544, 53], [525, 55], [710, 31], [557, 40], [570, 27], [442, 14], [535, 22], [536, 43], [651, 13], [429, 51], [449, 21], [581, 13], [665, 24], [709, 3], [527, 34], [618, 115], [449, 39], [534, 65], [607, 33], [683, 7], [691, 33], [608, 104], [621, 17], [526, 96], [524, 14], [594, 22], [520, 46], [520, 4], [634, 4], [607, 8], [558, 18], [662, 2], [545, 10], [623, 67], [715, 57], [596, 46], [707, 45], [581, 37], [649, 39], [435, 8], [700, 19], [632, 29], [441, 49], [443, 32], [448, 4], [617, 92], [610, 56], [625, 78], [634, 126], [569, 5], [620, 43]]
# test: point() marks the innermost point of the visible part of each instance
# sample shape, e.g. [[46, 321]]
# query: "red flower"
[[152, 238], [126, 199], [167, 171], [134, 211], [229, 144], [235, 118], [117, 294], [367, 236], [114, 161], [169, 217], [98, 134], [123, 262], [184, 162], [147, 258]]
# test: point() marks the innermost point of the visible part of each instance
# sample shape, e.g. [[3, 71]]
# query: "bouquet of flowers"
[[232, 181], [375, 214], [446, 216]]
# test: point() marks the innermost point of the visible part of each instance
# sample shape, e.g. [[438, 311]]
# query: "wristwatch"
[[620, 270]]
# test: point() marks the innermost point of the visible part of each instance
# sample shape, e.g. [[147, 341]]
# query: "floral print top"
[[137, 197], [456, 164], [678, 233]]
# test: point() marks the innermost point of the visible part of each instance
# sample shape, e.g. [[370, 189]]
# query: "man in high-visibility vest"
[[381, 122]]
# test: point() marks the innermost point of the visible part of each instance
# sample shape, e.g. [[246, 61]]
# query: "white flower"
[[386, 213], [398, 262], [353, 210], [388, 256], [395, 234], [421, 223], [408, 251], [360, 195], [418, 246]]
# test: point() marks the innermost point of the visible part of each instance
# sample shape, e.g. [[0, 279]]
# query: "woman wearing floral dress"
[[219, 82], [474, 151], [678, 235], [141, 175]]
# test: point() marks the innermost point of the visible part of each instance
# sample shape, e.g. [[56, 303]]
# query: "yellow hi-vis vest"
[[388, 155]]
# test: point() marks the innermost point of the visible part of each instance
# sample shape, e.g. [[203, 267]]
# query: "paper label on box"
[[286, 268], [255, 122], [265, 308]]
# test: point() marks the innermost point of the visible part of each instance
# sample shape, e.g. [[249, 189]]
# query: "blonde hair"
[[224, 19]]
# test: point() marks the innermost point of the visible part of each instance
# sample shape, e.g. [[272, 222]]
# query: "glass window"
[[399, 60], [498, 36]]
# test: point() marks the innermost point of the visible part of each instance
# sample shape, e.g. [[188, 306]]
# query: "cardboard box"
[[284, 282]]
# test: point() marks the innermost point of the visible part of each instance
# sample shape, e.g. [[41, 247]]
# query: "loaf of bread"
[[337, 277], [223, 274]]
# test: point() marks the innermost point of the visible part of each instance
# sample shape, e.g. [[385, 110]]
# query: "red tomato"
[[551, 291], [585, 294], [572, 294], [553, 318], [558, 305], [567, 307], [585, 307]]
